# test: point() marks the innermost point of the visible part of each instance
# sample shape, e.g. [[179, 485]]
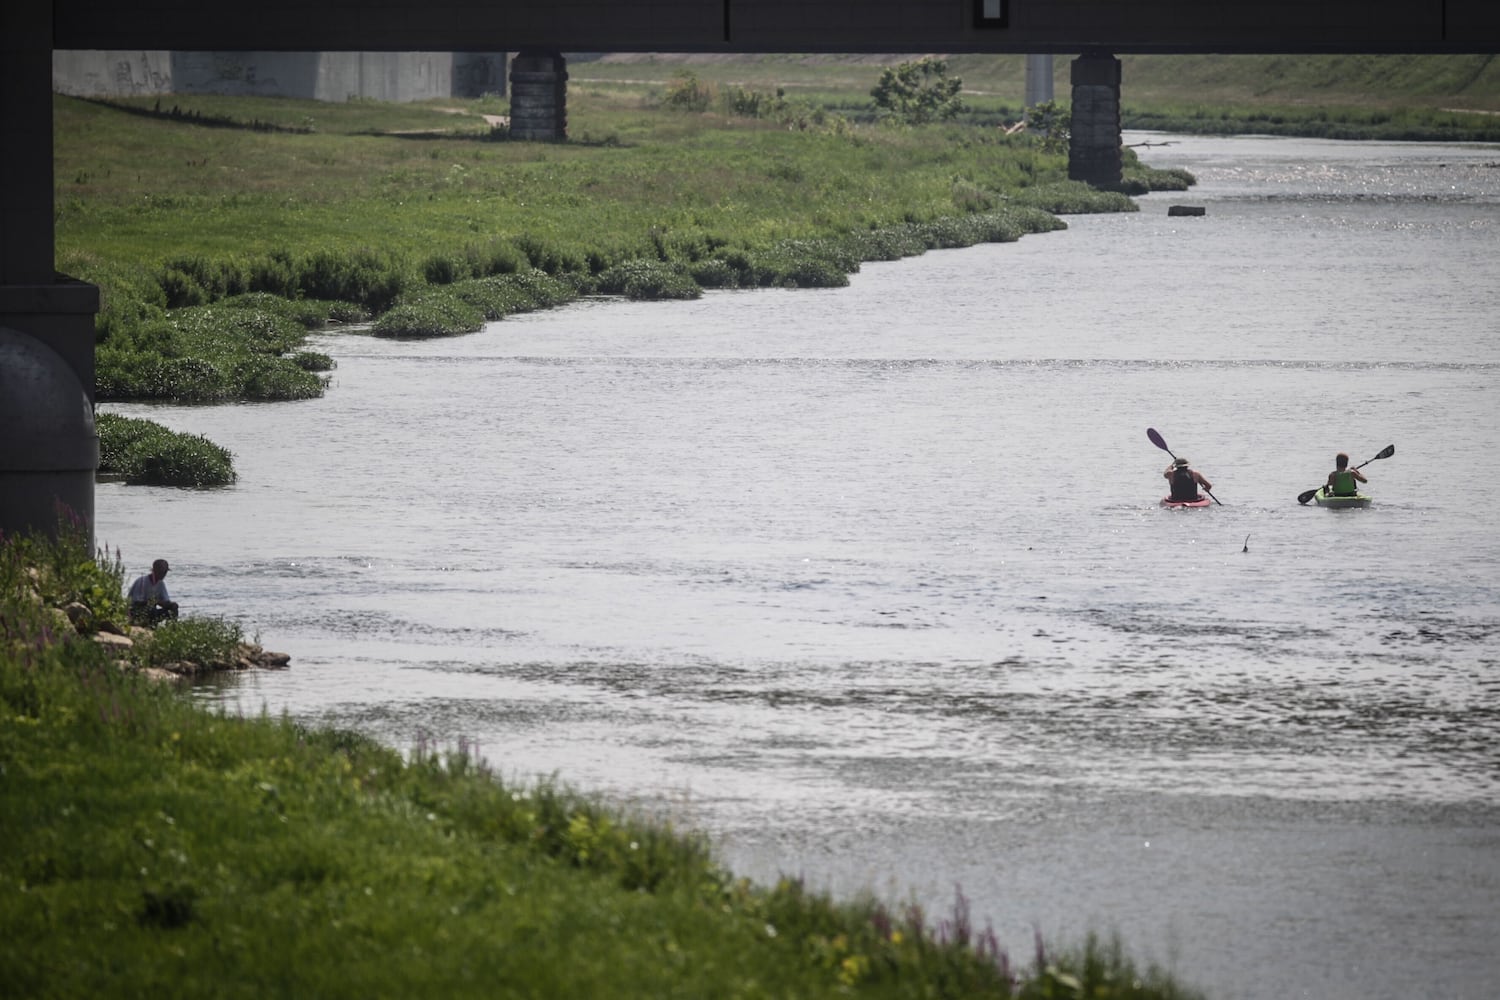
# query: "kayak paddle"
[[1385, 452], [1156, 440]]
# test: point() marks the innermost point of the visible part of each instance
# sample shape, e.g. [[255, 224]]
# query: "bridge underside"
[[1044, 26], [46, 320]]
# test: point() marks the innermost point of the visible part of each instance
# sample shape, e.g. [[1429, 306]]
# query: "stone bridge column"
[[539, 97], [49, 449], [1094, 140]]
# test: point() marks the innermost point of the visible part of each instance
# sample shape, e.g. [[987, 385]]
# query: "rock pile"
[[76, 618]]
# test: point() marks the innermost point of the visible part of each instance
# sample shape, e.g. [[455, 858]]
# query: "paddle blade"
[[1303, 498], [1156, 440], [1385, 452]]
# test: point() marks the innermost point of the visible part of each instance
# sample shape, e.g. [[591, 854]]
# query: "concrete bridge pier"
[[49, 449], [539, 96], [1094, 144]]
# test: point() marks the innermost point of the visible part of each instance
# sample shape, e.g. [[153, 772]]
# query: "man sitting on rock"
[[150, 604]]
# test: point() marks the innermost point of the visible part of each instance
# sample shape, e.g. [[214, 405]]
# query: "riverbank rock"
[[246, 656], [121, 645], [76, 620]]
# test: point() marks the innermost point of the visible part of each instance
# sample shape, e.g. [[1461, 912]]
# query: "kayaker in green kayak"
[[1343, 481], [1185, 481]]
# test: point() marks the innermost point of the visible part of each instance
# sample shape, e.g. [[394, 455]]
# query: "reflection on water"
[[872, 584]]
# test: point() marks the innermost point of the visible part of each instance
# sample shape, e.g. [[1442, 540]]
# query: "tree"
[[1051, 124], [915, 93]]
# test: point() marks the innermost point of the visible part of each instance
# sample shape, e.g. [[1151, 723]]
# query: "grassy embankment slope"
[[1421, 97], [221, 229], [156, 847]]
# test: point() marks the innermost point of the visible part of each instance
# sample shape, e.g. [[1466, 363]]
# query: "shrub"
[[347, 312], [60, 571], [807, 264], [374, 280], [244, 328], [714, 273], [181, 290], [275, 274], [915, 93], [181, 460], [551, 258], [198, 280], [1051, 125], [206, 641], [435, 315], [502, 294], [892, 243], [440, 269], [307, 313], [1073, 198], [145, 452], [685, 93], [649, 279], [185, 380], [312, 361], [263, 379]]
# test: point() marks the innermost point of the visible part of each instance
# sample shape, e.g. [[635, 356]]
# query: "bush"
[[915, 93], [649, 279], [205, 641], [307, 313], [435, 315], [685, 93], [180, 460], [714, 273], [500, 295], [262, 379], [892, 243], [373, 280], [205, 354], [807, 264], [60, 571], [551, 258], [186, 380], [145, 452], [347, 312], [181, 290], [197, 280], [1074, 198], [245, 328], [312, 361]]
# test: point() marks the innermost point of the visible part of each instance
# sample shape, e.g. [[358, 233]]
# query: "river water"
[[872, 584]]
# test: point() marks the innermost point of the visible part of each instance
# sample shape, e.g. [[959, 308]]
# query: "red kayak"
[[1200, 502]]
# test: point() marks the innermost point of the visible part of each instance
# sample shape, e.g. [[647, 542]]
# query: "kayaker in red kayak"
[[1185, 481], [1342, 480]]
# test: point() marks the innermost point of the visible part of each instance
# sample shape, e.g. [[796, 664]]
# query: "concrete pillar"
[[476, 74], [50, 448], [1038, 80], [539, 97], [48, 445], [1094, 145]]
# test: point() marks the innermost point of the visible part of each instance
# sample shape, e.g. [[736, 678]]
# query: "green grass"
[[153, 845], [1437, 97], [220, 230]]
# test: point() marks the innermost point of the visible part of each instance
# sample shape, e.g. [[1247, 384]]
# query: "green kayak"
[[1325, 499]]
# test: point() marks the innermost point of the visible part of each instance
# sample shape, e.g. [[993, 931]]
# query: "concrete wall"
[[323, 76]]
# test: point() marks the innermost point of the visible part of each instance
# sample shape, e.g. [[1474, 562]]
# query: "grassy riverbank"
[[153, 845], [1416, 97], [222, 230]]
